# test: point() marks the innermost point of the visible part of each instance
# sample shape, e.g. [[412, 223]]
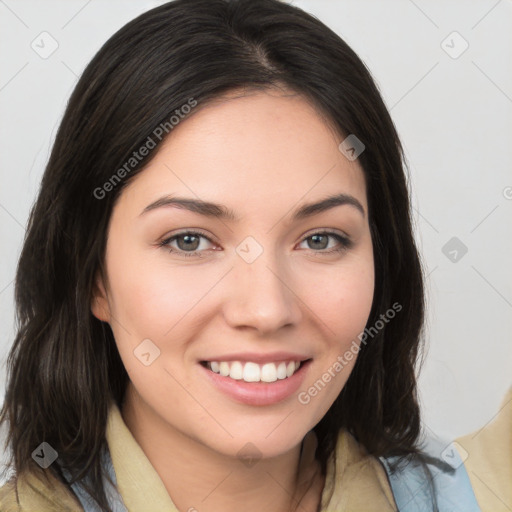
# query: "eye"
[[320, 242], [188, 243]]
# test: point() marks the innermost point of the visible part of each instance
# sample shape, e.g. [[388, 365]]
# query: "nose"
[[261, 296]]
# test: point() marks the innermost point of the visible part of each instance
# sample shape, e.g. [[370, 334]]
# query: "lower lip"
[[258, 393]]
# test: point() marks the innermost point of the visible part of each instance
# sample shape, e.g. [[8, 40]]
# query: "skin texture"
[[263, 155]]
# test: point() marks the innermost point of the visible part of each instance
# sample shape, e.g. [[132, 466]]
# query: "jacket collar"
[[354, 481]]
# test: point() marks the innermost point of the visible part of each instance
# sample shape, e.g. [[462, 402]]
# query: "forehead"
[[252, 150]]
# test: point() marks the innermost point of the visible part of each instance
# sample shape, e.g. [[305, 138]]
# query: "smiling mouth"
[[254, 372]]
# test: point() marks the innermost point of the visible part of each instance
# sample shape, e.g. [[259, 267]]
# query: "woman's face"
[[261, 280]]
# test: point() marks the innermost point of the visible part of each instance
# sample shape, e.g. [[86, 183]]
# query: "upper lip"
[[258, 357]]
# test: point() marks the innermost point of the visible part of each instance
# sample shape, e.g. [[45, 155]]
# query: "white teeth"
[[223, 369], [236, 371], [281, 371], [268, 372], [253, 372]]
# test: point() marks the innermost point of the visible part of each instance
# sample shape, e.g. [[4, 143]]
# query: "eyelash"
[[344, 243]]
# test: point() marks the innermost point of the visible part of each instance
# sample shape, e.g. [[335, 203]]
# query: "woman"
[[220, 299]]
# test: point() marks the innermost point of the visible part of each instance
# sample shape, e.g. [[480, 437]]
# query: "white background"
[[454, 116]]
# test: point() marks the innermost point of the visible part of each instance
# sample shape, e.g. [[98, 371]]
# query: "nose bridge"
[[261, 295]]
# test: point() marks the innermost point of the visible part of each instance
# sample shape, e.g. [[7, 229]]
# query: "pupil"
[[188, 245], [315, 239]]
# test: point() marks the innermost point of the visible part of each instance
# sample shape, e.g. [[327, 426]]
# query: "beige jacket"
[[361, 482], [487, 456]]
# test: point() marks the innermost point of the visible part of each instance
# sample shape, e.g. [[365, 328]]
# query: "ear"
[[100, 307]]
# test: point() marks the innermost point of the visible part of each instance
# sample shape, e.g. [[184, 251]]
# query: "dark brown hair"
[[64, 367]]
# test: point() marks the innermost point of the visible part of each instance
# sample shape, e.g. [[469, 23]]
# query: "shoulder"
[[355, 480], [31, 493], [487, 455], [434, 480], [8, 497]]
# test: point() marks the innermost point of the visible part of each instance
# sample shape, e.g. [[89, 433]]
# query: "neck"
[[198, 478]]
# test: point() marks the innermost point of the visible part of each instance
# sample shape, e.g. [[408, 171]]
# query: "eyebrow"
[[222, 212]]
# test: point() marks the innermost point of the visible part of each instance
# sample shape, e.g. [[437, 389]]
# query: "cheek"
[[341, 297], [153, 300], [348, 305], [150, 296], [342, 302]]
